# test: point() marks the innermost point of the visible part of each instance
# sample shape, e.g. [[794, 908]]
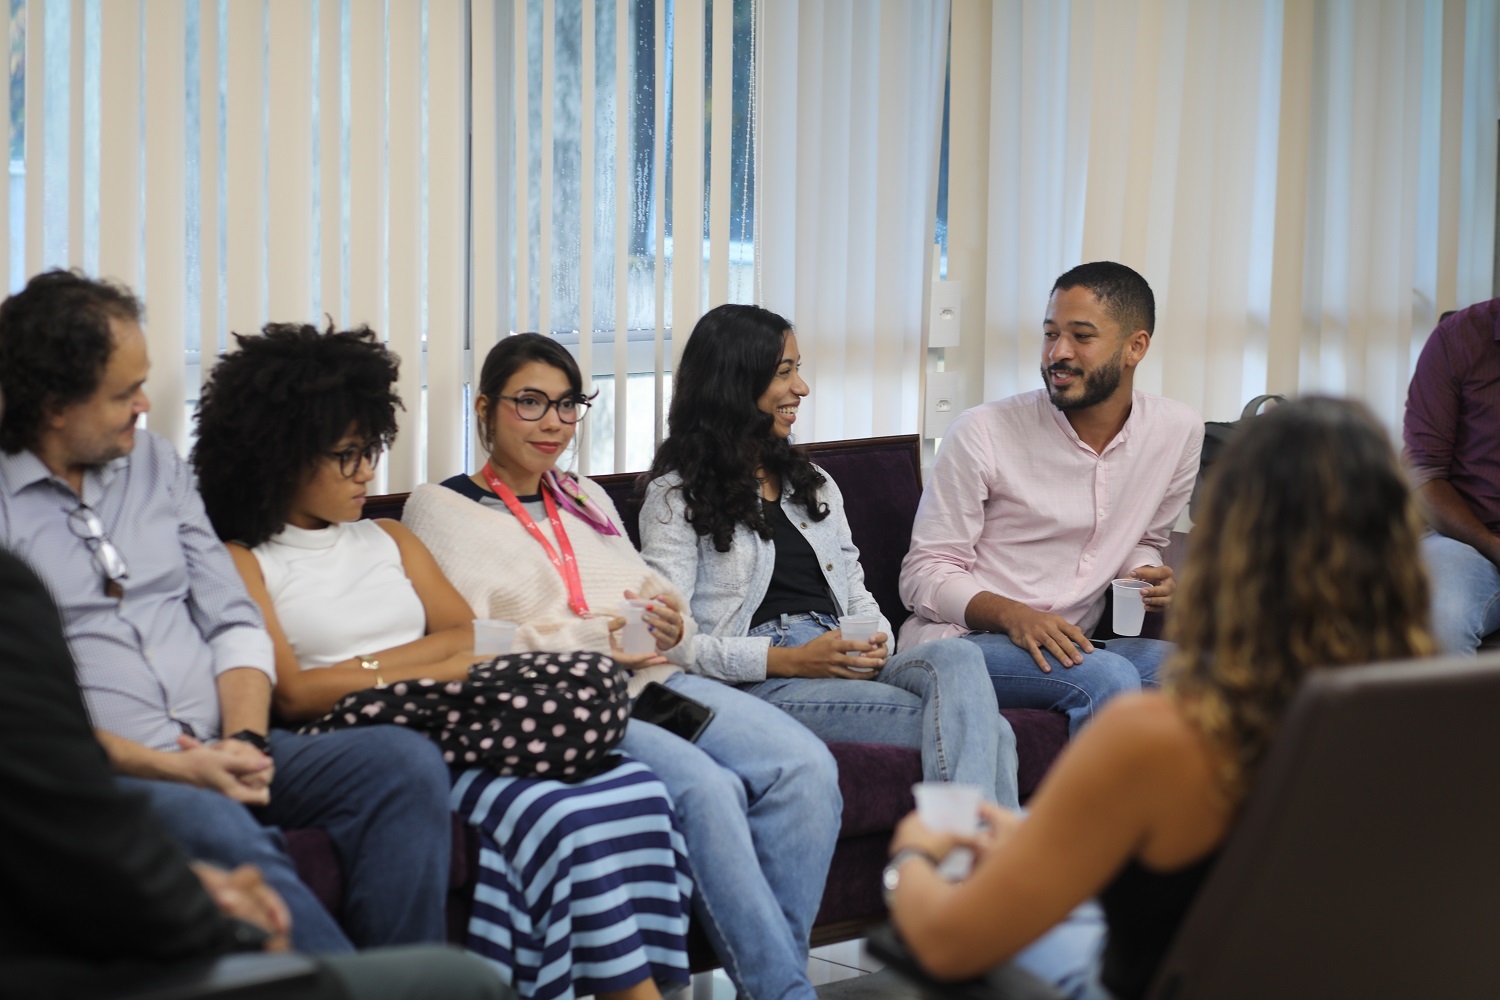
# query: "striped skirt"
[[582, 887]]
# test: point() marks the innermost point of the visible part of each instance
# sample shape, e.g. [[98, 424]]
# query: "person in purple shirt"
[[175, 665], [1452, 435]]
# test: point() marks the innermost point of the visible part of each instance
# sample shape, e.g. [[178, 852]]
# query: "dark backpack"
[[1217, 434]]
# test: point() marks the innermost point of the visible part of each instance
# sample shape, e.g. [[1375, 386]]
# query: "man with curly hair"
[[172, 655]]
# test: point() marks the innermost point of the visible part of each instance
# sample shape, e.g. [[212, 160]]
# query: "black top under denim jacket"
[[797, 584]]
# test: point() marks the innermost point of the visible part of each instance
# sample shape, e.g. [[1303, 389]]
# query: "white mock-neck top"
[[340, 591]]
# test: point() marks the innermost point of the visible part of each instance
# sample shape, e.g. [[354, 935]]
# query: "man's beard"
[[1098, 385]]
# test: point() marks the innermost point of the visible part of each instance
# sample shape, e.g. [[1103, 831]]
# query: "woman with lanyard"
[[756, 794], [290, 428]]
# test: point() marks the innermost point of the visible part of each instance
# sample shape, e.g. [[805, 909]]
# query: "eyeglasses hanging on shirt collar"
[[85, 523]]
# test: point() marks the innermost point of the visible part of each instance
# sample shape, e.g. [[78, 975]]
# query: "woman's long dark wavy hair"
[[717, 435], [1304, 557], [274, 408]]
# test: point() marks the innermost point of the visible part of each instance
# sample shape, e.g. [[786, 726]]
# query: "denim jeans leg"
[[1146, 654], [381, 792], [1069, 955], [758, 803], [964, 736], [210, 827], [1465, 594], [1077, 691]]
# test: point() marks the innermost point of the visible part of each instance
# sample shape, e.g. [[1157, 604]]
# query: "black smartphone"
[[676, 713]]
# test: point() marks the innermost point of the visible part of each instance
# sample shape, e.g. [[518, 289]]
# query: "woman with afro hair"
[[583, 887]]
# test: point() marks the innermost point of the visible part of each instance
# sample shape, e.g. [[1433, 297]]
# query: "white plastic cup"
[[858, 628], [493, 637], [1130, 606], [946, 807], [635, 637]]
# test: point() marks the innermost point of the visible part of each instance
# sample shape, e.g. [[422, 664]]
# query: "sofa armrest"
[[240, 977]]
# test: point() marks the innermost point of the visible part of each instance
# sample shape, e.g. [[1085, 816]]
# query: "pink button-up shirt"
[[1019, 506]]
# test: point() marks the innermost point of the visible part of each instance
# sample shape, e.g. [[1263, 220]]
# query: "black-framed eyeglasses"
[[534, 406], [85, 523], [352, 457]]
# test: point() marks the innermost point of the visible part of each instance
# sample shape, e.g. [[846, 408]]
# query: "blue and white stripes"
[[582, 888]]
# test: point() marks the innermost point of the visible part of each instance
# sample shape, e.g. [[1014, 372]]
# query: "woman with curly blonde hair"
[[1304, 558]]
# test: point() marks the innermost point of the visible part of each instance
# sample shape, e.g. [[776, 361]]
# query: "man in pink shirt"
[[1038, 501]]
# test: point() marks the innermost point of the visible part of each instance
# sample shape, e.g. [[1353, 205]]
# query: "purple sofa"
[[881, 482]]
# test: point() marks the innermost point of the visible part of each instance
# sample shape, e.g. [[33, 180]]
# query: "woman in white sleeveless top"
[[583, 888]]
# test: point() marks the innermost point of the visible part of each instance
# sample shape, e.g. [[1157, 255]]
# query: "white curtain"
[[851, 110], [1306, 185]]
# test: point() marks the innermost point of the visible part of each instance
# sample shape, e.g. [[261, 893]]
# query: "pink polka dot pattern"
[[521, 715]]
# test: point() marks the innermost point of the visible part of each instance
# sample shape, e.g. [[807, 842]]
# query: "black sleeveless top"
[[1143, 910], [797, 584]]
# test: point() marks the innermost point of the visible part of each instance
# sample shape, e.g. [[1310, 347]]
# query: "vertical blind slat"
[[289, 226], [208, 186], [719, 158], [544, 320], [623, 198], [446, 191], [367, 169], [36, 159], [404, 34], [586, 228], [7, 20], [659, 220], [166, 207], [244, 187], [687, 171], [486, 291], [77, 256], [330, 173], [119, 141], [522, 161]]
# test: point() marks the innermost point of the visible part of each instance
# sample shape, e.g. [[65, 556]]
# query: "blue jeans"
[[1127, 665], [934, 697], [1465, 593], [1069, 956], [757, 799], [380, 792]]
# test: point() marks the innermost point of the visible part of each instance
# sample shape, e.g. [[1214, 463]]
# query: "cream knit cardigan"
[[503, 573]]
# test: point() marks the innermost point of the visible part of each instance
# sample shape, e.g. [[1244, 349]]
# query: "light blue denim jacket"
[[724, 588]]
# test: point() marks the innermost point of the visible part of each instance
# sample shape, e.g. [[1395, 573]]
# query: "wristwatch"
[[891, 877], [253, 738]]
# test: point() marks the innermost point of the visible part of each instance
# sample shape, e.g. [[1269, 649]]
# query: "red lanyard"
[[566, 565]]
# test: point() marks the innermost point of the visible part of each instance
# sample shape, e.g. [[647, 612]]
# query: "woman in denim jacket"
[[754, 535]]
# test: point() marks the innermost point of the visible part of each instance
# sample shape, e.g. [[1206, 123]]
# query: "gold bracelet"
[[373, 665]]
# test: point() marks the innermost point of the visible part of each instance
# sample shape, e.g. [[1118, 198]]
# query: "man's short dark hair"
[[1123, 293], [55, 342]]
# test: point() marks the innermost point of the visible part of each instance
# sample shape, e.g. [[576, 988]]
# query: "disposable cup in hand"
[[493, 637], [946, 807], [858, 628], [635, 637], [1130, 606]]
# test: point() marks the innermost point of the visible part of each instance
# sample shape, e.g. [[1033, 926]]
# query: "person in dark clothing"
[[97, 899]]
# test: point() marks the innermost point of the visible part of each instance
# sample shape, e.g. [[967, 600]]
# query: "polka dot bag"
[[526, 715]]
